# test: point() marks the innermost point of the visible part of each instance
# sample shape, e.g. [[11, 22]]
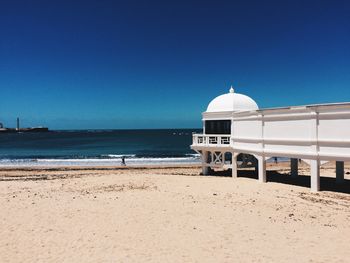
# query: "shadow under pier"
[[327, 183]]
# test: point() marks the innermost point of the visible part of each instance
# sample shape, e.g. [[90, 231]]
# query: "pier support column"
[[205, 168], [234, 165], [339, 172], [294, 167], [315, 175], [262, 169]]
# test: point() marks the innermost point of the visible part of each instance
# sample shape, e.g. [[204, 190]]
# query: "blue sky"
[[157, 64]]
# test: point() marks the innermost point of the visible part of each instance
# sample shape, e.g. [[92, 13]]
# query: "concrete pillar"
[[339, 172], [262, 169], [234, 166], [205, 168], [294, 167], [315, 175]]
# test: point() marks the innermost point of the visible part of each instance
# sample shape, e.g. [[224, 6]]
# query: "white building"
[[233, 124]]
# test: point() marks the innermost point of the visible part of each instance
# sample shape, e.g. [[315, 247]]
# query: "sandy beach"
[[171, 215]]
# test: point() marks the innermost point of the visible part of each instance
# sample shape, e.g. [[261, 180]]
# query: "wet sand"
[[110, 214]]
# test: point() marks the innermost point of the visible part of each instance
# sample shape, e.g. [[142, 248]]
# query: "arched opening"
[[210, 157], [247, 166], [246, 160], [227, 158]]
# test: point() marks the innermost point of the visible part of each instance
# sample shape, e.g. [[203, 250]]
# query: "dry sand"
[[170, 215]]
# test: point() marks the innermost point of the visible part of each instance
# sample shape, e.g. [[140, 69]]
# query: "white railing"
[[315, 132], [211, 139]]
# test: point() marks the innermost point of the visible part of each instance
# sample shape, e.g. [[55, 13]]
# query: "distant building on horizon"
[[18, 129]]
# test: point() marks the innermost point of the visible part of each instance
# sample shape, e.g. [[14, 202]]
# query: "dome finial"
[[232, 90]]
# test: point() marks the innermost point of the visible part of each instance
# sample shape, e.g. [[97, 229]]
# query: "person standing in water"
[[123, 161]]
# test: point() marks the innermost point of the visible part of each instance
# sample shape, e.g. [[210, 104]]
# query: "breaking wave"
[[107, 160]]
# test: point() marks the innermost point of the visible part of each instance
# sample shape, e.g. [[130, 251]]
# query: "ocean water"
[[98, 147]]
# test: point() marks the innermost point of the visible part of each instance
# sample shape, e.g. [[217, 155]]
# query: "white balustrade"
[[211, 140]]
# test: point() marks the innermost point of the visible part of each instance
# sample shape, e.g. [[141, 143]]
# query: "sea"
[[98, 148]]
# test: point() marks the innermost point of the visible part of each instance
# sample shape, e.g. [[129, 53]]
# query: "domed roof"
[[232, 102]]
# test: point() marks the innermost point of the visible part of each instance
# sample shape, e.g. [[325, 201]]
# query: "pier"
[[233, 125]]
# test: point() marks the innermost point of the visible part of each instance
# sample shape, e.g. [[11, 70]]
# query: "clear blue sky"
[[157, 64]]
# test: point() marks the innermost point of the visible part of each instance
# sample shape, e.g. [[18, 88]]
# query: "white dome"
[[232, 102]]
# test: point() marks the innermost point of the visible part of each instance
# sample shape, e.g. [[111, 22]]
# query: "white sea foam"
[[130, 160], [119, 155], [193, 154]]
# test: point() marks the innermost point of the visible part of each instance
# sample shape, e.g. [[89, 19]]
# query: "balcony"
[[211, 140]]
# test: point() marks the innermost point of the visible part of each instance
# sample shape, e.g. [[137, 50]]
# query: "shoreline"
[[98, 168], [270, 165]]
